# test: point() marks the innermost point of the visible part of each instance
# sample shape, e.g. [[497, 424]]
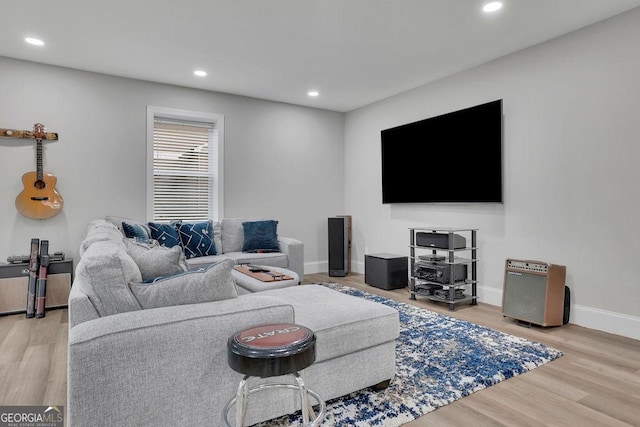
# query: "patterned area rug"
[[439, 360]]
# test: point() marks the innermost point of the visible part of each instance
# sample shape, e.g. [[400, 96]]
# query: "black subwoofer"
[[386, 271]]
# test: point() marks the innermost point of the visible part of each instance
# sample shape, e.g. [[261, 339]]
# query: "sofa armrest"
[[295, 253], [122, 368]]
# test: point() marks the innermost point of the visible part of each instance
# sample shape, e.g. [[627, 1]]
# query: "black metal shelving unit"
[[452, 291]]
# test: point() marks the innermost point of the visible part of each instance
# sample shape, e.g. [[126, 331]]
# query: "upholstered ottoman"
[[246, 284], [360, 332]]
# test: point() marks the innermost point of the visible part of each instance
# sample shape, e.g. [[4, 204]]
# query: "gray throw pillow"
[[217, 236], [104, 273], [212, 283], [155, 260]]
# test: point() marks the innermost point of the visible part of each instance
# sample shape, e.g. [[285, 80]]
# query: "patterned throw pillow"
[[213, 283], [165, 233], [196, 238], [134, 231], [260, 236]]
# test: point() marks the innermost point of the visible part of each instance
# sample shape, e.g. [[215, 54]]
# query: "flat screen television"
[[451, 158]]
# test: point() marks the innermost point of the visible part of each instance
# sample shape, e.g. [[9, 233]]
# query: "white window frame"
[[217, 166]]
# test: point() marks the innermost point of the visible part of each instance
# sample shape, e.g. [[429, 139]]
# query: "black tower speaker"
[[338, 246]]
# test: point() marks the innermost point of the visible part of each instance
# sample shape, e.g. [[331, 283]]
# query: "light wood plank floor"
[[595, 383]]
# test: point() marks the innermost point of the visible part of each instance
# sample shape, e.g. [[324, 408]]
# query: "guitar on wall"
[[39, 199]]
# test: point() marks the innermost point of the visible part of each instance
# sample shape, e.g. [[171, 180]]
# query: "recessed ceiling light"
[[313, 93], [200, 73], [492, 6], [33, 41]]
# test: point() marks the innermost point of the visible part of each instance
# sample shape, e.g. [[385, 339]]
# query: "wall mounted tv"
[[451, 158]]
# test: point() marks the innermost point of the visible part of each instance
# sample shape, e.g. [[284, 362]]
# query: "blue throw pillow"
[[260, 236], [196, 238], [134, 231], [165, 233]]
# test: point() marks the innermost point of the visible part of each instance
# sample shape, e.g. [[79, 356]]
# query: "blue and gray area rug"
[[439, 360]]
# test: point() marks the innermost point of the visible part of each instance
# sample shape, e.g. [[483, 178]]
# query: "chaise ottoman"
[[360, 333], [246, 284]]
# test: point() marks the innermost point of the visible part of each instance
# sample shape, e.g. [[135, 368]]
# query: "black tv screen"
[[451, 158]]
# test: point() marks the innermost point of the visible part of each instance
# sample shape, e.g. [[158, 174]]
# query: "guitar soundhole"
[[39, 184]]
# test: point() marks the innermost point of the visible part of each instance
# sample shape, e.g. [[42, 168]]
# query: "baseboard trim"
[[588, 317], [316, 267], [489, 295], [607, 321]]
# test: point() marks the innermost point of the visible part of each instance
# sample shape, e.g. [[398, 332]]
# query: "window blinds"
[[182, 171]]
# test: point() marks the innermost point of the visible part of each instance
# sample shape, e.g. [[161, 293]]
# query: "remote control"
[[18, 259], [56, 256]]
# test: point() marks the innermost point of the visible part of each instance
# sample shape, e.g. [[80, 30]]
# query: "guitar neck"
[[39, 160]]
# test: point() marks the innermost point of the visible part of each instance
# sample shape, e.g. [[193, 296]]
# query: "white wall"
[[276, 155], [571, 150]]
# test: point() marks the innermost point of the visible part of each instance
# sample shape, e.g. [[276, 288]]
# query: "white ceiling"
[[354, 52]]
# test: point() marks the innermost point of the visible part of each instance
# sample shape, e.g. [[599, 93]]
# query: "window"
[[184, 158]]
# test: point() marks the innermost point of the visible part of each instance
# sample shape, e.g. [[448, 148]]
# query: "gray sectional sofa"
[[228, 236], [155, 353]]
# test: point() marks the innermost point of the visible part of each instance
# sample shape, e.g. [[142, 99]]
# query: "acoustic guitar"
[[39, 199]]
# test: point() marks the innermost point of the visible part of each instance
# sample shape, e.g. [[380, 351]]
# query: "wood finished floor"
[[595, 383]]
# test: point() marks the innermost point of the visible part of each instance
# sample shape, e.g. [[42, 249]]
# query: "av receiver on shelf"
[[439, 272]]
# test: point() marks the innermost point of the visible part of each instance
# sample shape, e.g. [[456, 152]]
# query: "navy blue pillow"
[[165, 234], [260, 236], [196, 238], [134, 231]]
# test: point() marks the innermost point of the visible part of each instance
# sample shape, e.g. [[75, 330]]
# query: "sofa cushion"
[[165, 233], [103, 274], [155, 260], [204, 261], [196, 238], [118, 220], [99, 231], [274, 259], [260, 236], [135, 231], [217, 236], [232, 234], [213, 283]]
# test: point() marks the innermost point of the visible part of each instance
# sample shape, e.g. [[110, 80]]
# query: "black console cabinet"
[[14, 279]]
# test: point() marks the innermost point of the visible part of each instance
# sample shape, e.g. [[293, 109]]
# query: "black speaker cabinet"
[[386, 271], [534, 292], [338, 246], [440, 240]]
